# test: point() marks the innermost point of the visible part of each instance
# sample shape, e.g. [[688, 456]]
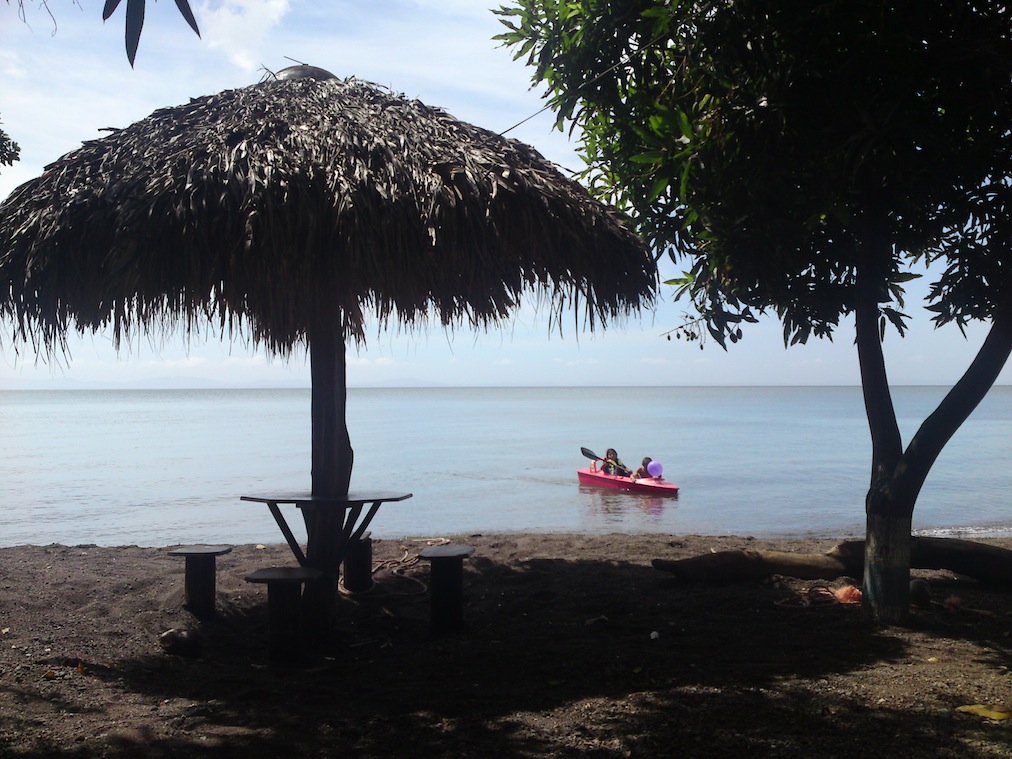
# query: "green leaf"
[[906, 276], [184, 9], [717, 335], [684, 125], [524, 49], [897, 319], [509, 38], [683, 185], [657, 189], [109, 9], [134, 24], [651, 156]]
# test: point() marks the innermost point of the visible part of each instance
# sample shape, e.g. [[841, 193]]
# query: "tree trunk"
[[897, 481], [332, 453], [332, 459], [887, 560], [887, 566], [897, 475], [888, 521]]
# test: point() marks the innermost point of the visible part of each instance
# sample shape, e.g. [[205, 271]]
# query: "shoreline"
[[801, 542], [1001, 535]]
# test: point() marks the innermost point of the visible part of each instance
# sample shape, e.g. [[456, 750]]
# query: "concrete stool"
[[358, 565], [284, 608], [199, 580], [447, 585]]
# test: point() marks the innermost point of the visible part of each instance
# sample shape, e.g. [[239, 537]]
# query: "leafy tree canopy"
[[793, 149], [10, 151], [802, 156]]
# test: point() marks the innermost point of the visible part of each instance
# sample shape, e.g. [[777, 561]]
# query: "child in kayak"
[[613, 464], [643, 472]]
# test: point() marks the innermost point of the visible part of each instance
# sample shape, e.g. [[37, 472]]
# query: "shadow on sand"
[[558, 658]]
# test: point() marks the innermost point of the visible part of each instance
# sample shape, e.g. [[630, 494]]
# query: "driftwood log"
[[986, 563]]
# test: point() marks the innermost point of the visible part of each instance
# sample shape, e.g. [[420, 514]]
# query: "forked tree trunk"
[[897, 475]]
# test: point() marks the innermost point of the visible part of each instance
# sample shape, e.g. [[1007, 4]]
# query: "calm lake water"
[[161, 467]]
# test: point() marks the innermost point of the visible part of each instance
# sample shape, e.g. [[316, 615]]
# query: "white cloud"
[[12, 66], [240, 27]]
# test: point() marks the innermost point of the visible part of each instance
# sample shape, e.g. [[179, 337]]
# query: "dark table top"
[[344, 501]]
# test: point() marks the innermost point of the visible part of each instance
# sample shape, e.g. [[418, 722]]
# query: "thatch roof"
[[259, 205]]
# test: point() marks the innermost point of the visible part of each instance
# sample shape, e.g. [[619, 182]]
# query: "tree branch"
[[887, 445], [956, 407]]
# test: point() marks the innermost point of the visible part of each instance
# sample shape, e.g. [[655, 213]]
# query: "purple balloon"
[[655, 469]]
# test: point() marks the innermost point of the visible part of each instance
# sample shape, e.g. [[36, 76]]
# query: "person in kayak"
[[613, 464], [643, 472]]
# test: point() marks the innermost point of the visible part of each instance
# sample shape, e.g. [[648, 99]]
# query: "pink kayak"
[[654, 485]]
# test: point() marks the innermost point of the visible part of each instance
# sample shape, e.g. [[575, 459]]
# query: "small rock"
[[181, 642]]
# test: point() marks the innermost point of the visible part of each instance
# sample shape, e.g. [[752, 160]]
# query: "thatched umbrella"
[[296, 209]]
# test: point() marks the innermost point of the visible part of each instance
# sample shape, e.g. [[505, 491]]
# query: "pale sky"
[[62, 83]]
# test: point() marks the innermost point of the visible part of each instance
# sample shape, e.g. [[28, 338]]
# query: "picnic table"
[[334, 524], [346, 508]]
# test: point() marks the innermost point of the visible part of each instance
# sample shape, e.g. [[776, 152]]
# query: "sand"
[[573, 646]]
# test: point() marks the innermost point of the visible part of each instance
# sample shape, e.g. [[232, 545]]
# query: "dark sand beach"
[[574, 646]]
